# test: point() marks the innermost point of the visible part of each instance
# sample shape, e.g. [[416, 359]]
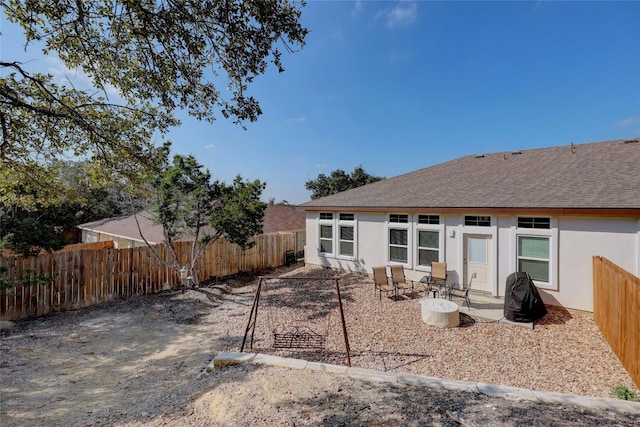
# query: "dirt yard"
[[138, 362]]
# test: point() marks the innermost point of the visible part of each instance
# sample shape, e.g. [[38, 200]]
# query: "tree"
[[43, 123], [52, 225], [240, 213], [186, 201], [160, 55], [339, 181], [28, 234], [283, 202]]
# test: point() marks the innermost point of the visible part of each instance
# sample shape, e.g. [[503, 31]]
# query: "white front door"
[[477, 262]]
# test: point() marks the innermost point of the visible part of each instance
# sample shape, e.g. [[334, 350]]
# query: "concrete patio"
[[487, 307]]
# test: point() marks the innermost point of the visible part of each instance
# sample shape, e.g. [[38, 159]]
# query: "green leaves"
[[200, 56], [30, 278], [42, 122], [188, 205], [240, 212], [186, 201], [168, 51], [39, 221], [339, 181], [184, 198]]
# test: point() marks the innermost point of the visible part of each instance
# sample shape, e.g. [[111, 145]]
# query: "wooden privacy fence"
[[616, 311], [86, 277], [108, 244]]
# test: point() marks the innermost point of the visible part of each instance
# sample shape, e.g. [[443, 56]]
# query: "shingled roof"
[[593, 176], [282, 218], [126, 227], [276, 218]]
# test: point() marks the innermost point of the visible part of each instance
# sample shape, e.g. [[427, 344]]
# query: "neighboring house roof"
[[283, 218], [125, 227], [276, 218], [571, 178]]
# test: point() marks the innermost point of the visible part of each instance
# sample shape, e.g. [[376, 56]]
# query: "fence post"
[[82, 277]]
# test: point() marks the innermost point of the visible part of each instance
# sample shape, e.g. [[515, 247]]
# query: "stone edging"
[[511, 393]]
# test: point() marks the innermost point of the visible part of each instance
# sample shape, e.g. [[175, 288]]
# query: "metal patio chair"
[[399, 280], [382, 283]]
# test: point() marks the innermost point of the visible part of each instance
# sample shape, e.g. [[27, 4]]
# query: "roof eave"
[[619, 212]]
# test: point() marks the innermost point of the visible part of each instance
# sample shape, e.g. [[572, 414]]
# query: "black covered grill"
[[522, 302]]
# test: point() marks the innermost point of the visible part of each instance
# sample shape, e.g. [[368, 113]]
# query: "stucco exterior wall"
[[370, 244], [579, 240], [575, 240], [89, 236]]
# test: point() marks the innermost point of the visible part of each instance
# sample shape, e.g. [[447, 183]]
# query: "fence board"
[[94, 274], [95, 246], [616, 311]]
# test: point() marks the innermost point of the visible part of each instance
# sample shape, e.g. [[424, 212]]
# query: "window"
[[429, 238], [399, 238], [534, 222], [477, 250], [337, 234], [428, 219], [326, 238], [346, 235], [428, 247], [534, 257], [478, 221], [398, 245], [399, 218], [346, 240]]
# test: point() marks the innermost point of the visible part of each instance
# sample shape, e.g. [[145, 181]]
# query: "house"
[[283, 218], [544, 211], [124, 231]]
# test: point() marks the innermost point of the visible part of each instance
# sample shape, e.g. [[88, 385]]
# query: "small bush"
[[623, 392]]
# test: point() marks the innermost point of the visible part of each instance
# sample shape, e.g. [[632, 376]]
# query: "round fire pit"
[[440, 312]]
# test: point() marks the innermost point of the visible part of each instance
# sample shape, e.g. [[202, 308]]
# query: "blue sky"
[[396, 86]]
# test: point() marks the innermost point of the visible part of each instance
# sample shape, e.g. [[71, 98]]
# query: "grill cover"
[[522, 302]]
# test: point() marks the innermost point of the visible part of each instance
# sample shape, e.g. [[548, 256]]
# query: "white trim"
[[441, 242], [319, 224], [408, 226], [552, 234], [335, 223], [346, 223], [491, 231]]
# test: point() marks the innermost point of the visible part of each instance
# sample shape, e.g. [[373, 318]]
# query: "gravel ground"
[[137, 362]]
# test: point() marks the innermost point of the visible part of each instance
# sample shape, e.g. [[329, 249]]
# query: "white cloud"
[[626, 122], [297, 159], [406, 13], [210, 146], [357, 8], [321, 165], [298, 120]]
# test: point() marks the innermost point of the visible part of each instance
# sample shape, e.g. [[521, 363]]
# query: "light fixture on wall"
[[452, 233]]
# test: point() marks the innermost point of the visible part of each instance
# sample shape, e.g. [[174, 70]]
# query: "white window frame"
[[439, 228], [400, 226], [347, 223], [547, 260], [550, 233], [331, 223], [491, 221], [336, 223]]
